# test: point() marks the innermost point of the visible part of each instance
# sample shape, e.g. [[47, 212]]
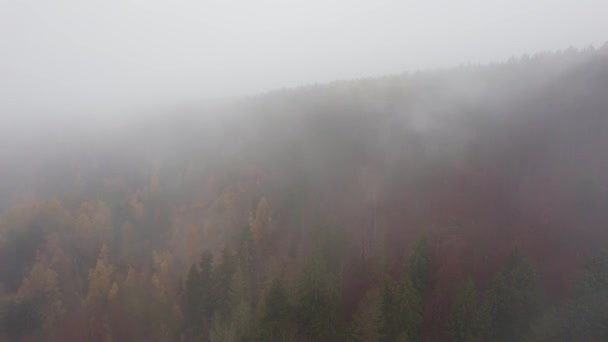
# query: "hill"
[[357, 210]]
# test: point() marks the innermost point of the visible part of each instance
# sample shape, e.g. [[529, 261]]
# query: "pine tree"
[[192, 301], [260, 225], [317, 302], [246, 266], [583, 317], [222, 281], [513, 301], [276, 314], [365, 325], [420, 267], [207, 293], [401, 310], [463, 324]]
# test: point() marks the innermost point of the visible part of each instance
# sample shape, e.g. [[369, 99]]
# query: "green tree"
[[420, 267], [513, 301], [401, 307], [365, 326], [192, 301], [317, 302], [246, 284], [261, 224], [20, 319], [276, 316], [223, 276], [200, 297], [463, 324], [583, 317], [207, 293]]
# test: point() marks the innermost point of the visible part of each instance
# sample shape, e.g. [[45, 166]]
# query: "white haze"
[[96, 57]]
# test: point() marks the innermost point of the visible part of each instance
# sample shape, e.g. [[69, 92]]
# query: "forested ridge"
[[461, 204]]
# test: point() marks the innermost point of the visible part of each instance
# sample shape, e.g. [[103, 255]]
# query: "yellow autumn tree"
[[113, 292], [161, 278], [41, 287], [100, 279], [61, 263]]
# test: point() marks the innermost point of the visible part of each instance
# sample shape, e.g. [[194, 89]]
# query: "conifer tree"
[[463, 323], [401, 310], [420, 267], [317, 302], [207, 293], [192, 301], [513, 301], [222, 281], [277, 311]]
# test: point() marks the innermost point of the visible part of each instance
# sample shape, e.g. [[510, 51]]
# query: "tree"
[[245, 281], [260, 225], [365, 326], [41, 288], [401, 308], [463, 323], [513, 301], [317, 302], [276, 314], [208, 298], [20, 320], [223, 276], [192, 300], [199, 298], [583, 317], [100, 279], [420, 267]]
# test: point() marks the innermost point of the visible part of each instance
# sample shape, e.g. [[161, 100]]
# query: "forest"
[[458, 204]]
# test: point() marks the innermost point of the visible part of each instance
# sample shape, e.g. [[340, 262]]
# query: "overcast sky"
[[98, 54]]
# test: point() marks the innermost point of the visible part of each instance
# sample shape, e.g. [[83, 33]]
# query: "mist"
[[318, 171], [100, 58]]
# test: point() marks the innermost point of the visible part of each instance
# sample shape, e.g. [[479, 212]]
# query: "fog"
[[107, 58], [303, 171]]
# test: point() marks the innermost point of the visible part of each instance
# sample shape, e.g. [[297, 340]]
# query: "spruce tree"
[[583, 317], [420, 267], [513, 301], [463, 323], [317, 302], [276, 316], [222, 279], [192, 302], [401, 311], [207, 298]]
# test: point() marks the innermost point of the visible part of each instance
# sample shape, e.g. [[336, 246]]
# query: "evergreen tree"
[[246, 266], [276, 315], [583, 317], [200, 298], [595, 276], [261, 224], [463, 324], [420, 267], [192, 301], [365, 326], [401, 307], [222, 281], [19, 320], [317, 302], [207, 293], [513, 301]]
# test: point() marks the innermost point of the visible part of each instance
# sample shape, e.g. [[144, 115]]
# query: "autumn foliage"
[[467, 204]]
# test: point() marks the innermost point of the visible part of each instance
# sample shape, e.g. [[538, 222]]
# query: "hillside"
[[356, 210]]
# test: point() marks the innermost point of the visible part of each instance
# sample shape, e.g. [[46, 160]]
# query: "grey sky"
[[98, 54]]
